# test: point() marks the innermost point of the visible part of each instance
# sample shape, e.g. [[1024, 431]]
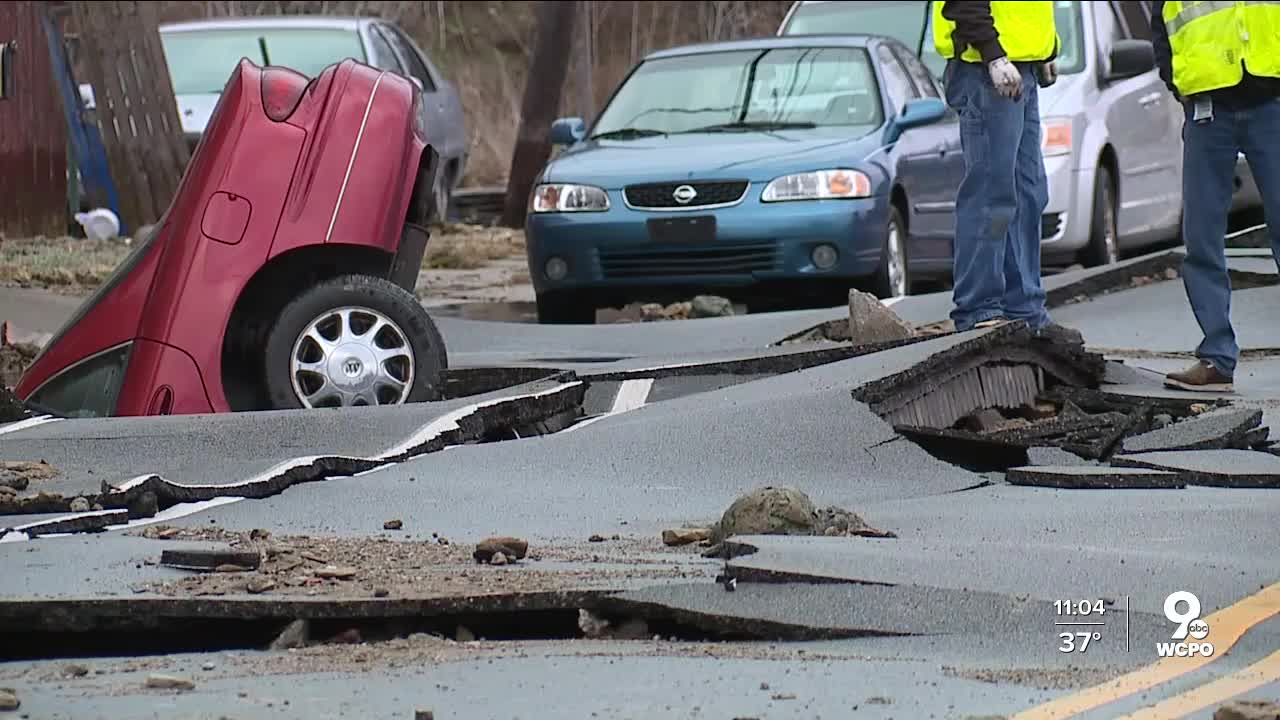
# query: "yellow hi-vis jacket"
[[1211, 39], [1026, 28]]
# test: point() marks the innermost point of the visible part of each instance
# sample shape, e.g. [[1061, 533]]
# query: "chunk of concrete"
[[871, 321], [1248, 710], [1218, 468], [209, 559], [768, 511], [1054, 456], [1211, 431], [1075, 477]]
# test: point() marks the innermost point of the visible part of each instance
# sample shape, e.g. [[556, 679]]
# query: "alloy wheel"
[[352, 356]]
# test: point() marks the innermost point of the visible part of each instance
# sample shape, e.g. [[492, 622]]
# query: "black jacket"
[[976, 27], [1251, 91]]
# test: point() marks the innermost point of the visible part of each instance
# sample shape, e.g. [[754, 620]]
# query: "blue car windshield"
[[910, 22], [776, 89]]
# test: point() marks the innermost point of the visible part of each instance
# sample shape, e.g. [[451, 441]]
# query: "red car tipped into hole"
[[282, 273]]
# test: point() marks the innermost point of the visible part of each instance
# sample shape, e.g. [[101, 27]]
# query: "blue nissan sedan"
[[776, 172]]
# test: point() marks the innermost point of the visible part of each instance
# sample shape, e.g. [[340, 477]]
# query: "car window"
[[1137, 17], [1108, 28], [925, 82], [691, 93], [409, 56], [910, 22], [897, 83], [88, 389], [201, 61], [382, 56]]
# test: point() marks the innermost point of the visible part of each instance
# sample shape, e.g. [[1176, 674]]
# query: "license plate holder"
[[683, 230]]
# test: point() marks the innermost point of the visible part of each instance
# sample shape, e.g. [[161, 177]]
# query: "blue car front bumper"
[[754, 243]]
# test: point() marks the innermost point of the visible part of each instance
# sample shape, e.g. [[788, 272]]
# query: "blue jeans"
[[996, 266], [1209, 152]]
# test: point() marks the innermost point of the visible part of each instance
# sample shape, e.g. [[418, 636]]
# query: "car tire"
[[1104, 235], [395, 349], [565, 307], [893, 276]]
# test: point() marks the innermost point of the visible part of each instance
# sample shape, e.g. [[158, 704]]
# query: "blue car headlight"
[[833, 184], [563, 197]]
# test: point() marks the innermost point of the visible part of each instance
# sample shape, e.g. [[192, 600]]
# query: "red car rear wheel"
[[353, 340]]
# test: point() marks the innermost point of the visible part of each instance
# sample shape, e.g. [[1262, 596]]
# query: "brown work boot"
[[1201, 377]]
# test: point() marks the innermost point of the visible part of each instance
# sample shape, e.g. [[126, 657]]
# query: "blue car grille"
[[639, 262], [662, 195]]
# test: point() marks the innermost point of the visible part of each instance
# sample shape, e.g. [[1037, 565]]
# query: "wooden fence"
[[125, 62], [33, 136]]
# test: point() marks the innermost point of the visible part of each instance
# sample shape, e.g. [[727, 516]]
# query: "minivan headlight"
[[818, 185], [563, 197]]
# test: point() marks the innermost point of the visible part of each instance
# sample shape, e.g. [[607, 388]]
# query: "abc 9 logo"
[[1188, 621]]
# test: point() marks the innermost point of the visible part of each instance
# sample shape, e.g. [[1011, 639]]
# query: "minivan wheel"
[[351, 341], [892, 278], [565, 307], [1104, 235]]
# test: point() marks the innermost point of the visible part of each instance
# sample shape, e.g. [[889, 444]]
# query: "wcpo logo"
[[1190, 631]]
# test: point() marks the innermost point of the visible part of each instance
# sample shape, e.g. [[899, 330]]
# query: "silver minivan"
[[1112, 134]]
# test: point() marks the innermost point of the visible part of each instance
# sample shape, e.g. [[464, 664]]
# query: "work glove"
[[1048, 73], [1005, 77]]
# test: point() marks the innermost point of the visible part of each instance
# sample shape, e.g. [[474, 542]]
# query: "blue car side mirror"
[[917, 113], [567, 131]]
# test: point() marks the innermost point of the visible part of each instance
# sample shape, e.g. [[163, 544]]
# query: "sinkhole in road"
[[251, 625]]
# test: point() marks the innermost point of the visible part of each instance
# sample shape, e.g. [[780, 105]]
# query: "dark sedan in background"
[[773, 172]]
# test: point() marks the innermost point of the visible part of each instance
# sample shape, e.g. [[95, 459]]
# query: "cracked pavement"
[[588, 442]]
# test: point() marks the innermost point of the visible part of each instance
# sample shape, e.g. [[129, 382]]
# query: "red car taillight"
[[282, 90], [419, 116]]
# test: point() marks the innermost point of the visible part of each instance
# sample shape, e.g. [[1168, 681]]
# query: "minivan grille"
[[736, 259], [663, 195]]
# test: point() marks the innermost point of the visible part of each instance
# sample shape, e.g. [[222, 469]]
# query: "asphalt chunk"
[[1075, 477], [209, 559], [1218, 468], [1057, 457], [1211, 431]]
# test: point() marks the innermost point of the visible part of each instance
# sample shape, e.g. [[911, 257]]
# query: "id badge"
[[1202, 110]]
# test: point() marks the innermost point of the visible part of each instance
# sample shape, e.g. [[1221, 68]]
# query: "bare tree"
[[542, 90]]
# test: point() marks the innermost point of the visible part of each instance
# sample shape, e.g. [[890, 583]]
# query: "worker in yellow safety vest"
[[1221, 60], [998, 56]]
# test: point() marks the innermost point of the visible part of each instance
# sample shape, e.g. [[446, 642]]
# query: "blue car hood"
[[754, 156]]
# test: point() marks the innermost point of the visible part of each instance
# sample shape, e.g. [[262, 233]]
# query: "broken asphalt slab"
[[682, 460], [195, 458], [1158, 318], [792, 611], [1052, 543], [1215, 430], [325, 684], [1219, 468], [1095, 478]]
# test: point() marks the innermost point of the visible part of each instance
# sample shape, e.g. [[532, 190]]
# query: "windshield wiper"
[[627, 134], [755, 125]]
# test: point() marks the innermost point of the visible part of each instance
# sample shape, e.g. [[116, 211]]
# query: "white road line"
[[450, 421], [28, 423], [168, 514], [632, 395]]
